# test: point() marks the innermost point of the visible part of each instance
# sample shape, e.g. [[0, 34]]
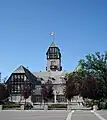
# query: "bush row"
[[11, 105], [101, 105], [57, 106]]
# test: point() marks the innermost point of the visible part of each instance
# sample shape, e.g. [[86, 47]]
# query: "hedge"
[[11, 105], [57, 106]]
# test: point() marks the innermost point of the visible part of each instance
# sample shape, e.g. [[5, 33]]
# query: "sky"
[[80, 28]]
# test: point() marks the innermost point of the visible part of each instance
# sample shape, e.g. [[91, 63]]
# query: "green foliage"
[[103, 105], [44, 92], [4, 92], [47, 91], [96, 66], [26, 91], [90, 103], [11, 105], [72, 85], [90, 81]]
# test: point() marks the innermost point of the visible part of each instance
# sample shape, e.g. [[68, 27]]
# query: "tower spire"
[[53, 56], [53, 36]]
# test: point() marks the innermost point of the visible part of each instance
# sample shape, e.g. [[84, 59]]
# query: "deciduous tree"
[[4, 92], [96, 65], [72, 85], [26, 91], [47, 91]]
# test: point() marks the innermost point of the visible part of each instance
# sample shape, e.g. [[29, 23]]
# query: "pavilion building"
[[53, 72]]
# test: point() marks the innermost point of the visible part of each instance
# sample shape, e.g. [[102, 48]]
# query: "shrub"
[[90, 103], [11, 105], [103, 105]]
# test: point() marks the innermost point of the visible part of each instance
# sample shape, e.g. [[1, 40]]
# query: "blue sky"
[[80, 28]]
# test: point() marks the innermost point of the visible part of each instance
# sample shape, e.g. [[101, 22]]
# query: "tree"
[[72, 85], [88, 88], [44, 92], [96, 65], [4, 92], [26, 91], [82, 83], [47, 91]]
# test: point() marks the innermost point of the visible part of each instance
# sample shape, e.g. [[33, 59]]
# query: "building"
[[53, 72], [21, 76]]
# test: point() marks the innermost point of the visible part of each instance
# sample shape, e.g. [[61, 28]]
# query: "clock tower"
[[53, 58]]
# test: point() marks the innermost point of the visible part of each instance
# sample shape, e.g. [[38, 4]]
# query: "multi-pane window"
[[12, 78], [17, 80], [37, 98], [51, 50], [22, 76], [18, 87], [53, 53], [53, 56], [25, 78], [18, 76], [61, 98], [15, 76]]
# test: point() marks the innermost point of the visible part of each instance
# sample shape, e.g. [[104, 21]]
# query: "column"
[[54, 96]]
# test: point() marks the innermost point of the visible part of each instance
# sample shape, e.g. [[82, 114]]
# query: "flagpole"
[[53, 36]]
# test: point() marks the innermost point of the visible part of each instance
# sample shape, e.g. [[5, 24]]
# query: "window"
[[61, 98], [15, 82], [18, 76], [38, 88], [55, 50], [18, 87], [56, 56], [15, 87], [38, 99], [25, 78], [22, 76], [13, 97], [15, 91], [51, 56], [12, 78], [51, 50], [15, 76]]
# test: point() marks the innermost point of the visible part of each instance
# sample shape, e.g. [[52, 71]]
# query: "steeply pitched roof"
[[20, 69]]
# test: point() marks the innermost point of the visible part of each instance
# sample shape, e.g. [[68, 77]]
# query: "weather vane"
[[53, 35]]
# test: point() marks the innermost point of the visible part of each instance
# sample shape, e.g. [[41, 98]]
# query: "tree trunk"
[[99, 107]]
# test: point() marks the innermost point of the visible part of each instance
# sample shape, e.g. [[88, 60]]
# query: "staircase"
[[77, 106]]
